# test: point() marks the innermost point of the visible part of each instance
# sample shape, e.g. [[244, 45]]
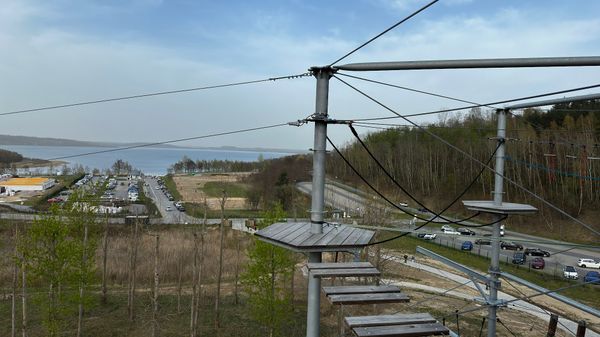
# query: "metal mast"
[[498, 191], [318, 192]]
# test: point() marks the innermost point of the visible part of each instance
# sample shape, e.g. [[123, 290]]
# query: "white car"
[[447, 228], [429, 236], [403, 204], [451, 232], [168, 208], [588, 263], [569, 272]]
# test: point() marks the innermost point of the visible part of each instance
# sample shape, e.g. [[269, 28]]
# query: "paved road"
[[345, 198], [517, 305], [174, 216]]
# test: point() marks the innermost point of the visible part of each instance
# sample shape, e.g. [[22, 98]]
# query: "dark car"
[[592, 277], [467, 245], [421, 235], [465, 231], [519, 258], [538, 263], [483, 242], [507, 245], [536, 252]]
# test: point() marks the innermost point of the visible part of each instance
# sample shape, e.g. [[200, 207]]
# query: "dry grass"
[[190, 188], [176, 250]]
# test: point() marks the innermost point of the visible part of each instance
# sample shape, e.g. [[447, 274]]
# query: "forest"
[[554, 153]]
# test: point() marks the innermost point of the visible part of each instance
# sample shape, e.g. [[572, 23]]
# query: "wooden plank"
[[298, 232], [272, 230], [381, 320], [353, 237], [369, 298], [339, 290], [328, 232], [324, 273], [297, 241], [338, 265], [411, 330], [365, 238], [290, 228], [342, 236]]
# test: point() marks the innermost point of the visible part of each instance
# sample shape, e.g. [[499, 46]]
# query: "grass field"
[[215, 189]]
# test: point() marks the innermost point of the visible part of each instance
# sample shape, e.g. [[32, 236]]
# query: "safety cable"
[[513, 182], [384, 197], [406, 191], [393, 204], [385, 31], [178, 91]]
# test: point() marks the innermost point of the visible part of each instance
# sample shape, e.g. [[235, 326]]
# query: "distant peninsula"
[[43, 141]]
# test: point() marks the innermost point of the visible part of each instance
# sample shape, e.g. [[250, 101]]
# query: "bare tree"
[[194, 288], [13, 321], [155, 295], [179, 280], [237, 265], [220, 272], [82, 278], [132, 270], [104, 257], [23, 297]]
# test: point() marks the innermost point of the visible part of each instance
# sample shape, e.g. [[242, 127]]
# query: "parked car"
[[423, 210], [403, 204], [168, 209], [519, 258], [448, 228], [467, 245], [588, 263], [465, 231], [538, 263], [507, 245], [592, 277], [536, 252], [569, 272], [482, 242], [450, 232], [429, 236], [421, 235]]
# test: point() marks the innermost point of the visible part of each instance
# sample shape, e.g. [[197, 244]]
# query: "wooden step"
[[340, 265], [342, 290], [351, 272], [410, 330], [372, 298], [382, 320]]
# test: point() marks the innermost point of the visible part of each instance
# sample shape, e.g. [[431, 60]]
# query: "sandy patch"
[[190, 188]]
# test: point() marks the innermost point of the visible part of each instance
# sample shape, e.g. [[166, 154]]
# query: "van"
[[519, 258]]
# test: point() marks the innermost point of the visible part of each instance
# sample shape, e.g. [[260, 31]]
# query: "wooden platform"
[[383, 320], [345, 290], [297, 236], [374, 298], [507, 208], [410, 330], [348, 269]]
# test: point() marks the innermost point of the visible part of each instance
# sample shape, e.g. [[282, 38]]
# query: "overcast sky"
[[66, 51]]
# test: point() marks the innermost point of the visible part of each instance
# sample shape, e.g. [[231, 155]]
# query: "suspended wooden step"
[[383, 320], [409, 330], [348, 269], [366, 298], [298, 237], [344, 290]]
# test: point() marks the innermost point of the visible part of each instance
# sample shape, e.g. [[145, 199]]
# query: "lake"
[[150, 160]]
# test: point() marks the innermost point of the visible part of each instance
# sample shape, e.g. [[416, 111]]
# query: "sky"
[[55, 52]]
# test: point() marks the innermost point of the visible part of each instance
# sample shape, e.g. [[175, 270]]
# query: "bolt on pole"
[[317, 197], [498, 191]]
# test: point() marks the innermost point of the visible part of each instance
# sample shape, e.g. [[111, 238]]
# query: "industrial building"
[[27, 184]]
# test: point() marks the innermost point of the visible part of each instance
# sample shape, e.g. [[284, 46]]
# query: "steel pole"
[[498, 186], [318, 192]]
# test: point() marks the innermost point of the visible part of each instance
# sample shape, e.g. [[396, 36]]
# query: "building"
[[27, 184]]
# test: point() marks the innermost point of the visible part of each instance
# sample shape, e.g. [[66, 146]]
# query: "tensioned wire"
[[533, 194]]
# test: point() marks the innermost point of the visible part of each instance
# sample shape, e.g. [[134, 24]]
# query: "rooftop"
[[25, 181]]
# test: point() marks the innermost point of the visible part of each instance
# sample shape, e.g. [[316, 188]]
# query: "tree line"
[[188, 165]]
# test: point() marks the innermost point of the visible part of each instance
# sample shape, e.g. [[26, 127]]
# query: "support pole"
[[552, 326], [495, 265], [318, 192], [581, 327]]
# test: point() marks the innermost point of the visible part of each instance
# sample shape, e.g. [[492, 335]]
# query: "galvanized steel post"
[[498, 191], [318, 195]]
